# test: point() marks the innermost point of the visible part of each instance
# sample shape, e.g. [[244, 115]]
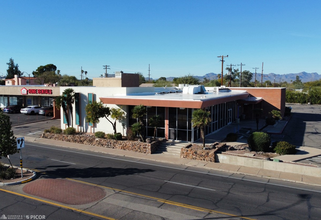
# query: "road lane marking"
[[183, 184], [56, 204], [63, 161], [196, 208], [117, 157]]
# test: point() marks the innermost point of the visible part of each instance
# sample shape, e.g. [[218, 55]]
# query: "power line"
[[222, 59], [241, 73], [255, 76], [106, 67], [229, 84]]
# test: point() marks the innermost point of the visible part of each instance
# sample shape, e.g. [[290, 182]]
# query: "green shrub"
[[100, 134], [230, 137], [276, 114], [110, 136], [118, 136], [7, 174], [259, 141], [284, 147], [70, 131], [55, 130]]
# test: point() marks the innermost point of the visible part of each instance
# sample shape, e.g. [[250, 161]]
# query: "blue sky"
[[176, 37]]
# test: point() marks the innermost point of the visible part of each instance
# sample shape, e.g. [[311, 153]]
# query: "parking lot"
[[20, 119]]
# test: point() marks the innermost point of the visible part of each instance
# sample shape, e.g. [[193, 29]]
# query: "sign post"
[[20, 145]]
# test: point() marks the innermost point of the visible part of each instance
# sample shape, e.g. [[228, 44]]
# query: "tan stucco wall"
[[107, 82]]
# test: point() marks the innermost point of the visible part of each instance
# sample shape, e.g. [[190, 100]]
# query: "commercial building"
[[174, 105]]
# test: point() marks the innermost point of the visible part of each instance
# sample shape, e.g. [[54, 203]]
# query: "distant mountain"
[[304, 77]]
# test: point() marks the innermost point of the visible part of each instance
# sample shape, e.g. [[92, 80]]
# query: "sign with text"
[[25, 91]]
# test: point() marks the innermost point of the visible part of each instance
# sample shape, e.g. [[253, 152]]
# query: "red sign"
[[25, 91]]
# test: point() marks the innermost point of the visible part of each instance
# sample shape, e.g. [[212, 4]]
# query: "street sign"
[[20, 143]]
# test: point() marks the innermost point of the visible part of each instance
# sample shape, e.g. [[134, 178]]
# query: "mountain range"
[[288, 77]]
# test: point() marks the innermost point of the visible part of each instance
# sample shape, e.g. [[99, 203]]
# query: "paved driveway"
[[304, 128]]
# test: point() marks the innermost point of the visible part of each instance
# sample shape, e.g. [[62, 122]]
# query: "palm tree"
[[65, 101], [200, 119]]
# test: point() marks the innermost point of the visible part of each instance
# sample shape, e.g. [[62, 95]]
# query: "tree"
[[141, 78], [65, 101], [68, 81], [47, 68], [231, 76], [139, 112], [297, 83], [8, 144], [162, 78], [189, 79], [47, 74], [116, 114], [200, 119], [162, 83], [246, 77], [13, 70], [95, 111], [155, 122]]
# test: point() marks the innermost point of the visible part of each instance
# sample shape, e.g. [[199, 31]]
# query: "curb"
[[34, 176]]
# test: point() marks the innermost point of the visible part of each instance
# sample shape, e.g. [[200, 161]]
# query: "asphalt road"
[[137, 189]]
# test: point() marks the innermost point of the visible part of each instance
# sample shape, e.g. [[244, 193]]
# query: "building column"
[[166, 122]]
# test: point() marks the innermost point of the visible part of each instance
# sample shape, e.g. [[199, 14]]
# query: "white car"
[[31, 109]]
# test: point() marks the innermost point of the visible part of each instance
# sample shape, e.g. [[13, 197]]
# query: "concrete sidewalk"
[[231, 168]]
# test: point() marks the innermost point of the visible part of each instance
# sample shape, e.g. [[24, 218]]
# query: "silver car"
[[31, 109]]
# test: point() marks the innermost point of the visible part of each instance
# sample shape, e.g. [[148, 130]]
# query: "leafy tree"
[[297, 83], [162, 83], [137, 128], [65, 101], [162, 78], [68, 81], [141, 78], [200, 119], [85, 82], [213, 83], [189, 79], [95, 111], [139, 112], [116, 114], [47, 68], [2, 82], [155, 122], [13, 69], [246, 77], [8, 144], [47, 74]]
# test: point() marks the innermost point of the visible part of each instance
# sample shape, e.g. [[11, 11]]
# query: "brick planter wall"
[[196, 152], [136, 146]]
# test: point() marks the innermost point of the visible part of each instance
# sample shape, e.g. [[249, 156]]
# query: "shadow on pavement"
[[93, 172]]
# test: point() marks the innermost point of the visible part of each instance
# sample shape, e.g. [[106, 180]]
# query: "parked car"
[[12, 109], [46, 111], [31, 109]]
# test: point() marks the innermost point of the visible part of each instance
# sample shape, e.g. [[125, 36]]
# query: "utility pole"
[[262, 75], [255, 76], [222, 59], [229, 84], [106, 67], [241, 73], [148, 72]]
